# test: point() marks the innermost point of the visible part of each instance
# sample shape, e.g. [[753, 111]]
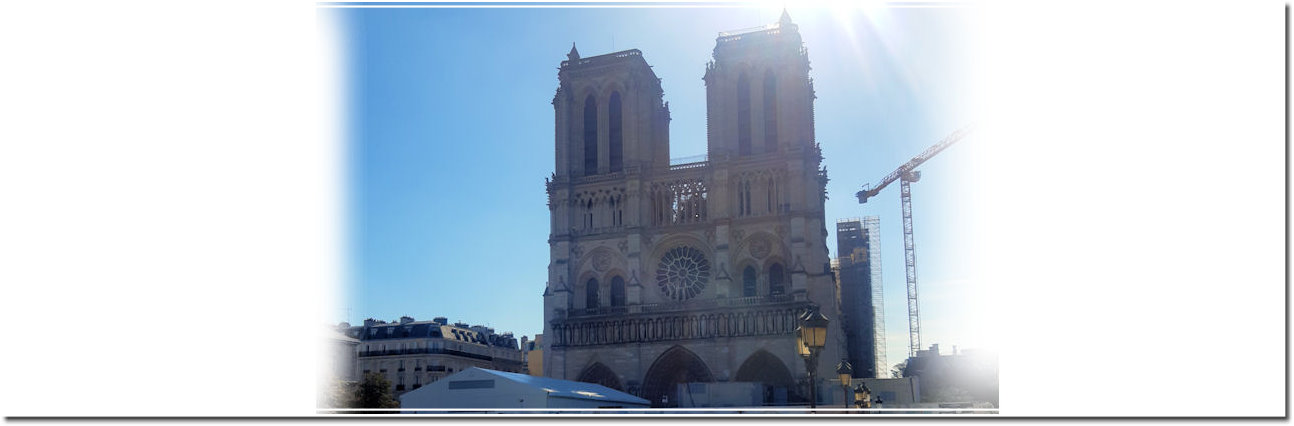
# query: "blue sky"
[[450, 137]]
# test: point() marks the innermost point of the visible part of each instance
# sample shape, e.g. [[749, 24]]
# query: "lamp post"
[[846, 373], [810, 337], [862, 396]]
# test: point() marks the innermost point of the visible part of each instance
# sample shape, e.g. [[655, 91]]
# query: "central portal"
[[674, 367]]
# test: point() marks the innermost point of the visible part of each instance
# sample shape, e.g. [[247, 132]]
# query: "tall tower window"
[[617, 142], [590, 136], [775, 279], [743, 115], [745, 189], [591, 294], [748, 282], [740, 200], [617, 291], [770, 112]]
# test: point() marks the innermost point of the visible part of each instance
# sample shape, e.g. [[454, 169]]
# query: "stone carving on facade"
[[738, 235], [624, 246], [723, 272], [760, 247], [679, 201], [576, 251], [601, 261]]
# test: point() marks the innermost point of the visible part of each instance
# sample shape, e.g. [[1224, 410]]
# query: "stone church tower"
[[663, 274]]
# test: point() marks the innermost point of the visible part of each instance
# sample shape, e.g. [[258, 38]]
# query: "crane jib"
[[868, 191], [906, 174]]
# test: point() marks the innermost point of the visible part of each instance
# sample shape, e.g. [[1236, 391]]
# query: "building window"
[[617, 291], [590, 136], [617, 140], [770, 112], [746, 190], [740, 200], [776, 279], [743, 115], [591, 294], [748, 282]]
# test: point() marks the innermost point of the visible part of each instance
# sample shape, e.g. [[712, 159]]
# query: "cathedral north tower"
[[759, 96]]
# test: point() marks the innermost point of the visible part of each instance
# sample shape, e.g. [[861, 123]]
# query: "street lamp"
[[846, 373], [810, 337], [863, 396]]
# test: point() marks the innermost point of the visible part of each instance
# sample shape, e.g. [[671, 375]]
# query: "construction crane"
[[906, 174]]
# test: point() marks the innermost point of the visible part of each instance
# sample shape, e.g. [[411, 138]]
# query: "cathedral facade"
[[667, 274]]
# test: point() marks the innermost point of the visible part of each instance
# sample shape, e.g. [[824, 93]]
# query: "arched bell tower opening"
[[674, 367]]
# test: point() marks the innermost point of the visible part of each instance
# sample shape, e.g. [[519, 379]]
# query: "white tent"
[[490, 389]]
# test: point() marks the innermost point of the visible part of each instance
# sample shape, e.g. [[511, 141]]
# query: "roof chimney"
[[406, 319]]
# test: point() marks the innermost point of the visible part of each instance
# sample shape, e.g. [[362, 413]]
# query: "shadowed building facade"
[[664, 274]]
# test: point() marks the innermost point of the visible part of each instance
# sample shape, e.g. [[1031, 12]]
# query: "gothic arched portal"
[[677, 365], [763, 367], [602, 375]]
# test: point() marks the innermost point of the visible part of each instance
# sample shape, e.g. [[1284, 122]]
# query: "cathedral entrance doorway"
[[674, 367], [602, 375], [763, 367]]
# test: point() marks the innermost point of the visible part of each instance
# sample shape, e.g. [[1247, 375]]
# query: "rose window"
[[682, 273]]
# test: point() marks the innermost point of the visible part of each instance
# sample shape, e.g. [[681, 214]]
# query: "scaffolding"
[[862, 291], [872, 225]]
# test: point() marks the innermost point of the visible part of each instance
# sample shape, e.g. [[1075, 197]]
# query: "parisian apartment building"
[[411, 353]]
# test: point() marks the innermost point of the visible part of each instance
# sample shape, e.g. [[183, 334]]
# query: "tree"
[[374, 392], [897, 370], [337, 394]]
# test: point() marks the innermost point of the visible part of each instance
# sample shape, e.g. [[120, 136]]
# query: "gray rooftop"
[[568, 389]]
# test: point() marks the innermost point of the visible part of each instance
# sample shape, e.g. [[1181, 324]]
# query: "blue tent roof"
[[568, 389]]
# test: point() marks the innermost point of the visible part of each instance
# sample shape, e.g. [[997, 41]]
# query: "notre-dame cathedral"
[[666, 274]]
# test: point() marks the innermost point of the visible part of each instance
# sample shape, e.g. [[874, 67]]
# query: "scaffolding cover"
[[872, 227]]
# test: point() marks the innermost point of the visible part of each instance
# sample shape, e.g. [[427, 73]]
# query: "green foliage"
[[374, 392], [337, 394]]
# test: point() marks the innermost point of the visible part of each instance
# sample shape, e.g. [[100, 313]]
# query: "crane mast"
[[906, 174]]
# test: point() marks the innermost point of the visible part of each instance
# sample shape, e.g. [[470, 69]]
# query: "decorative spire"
[[786, 18], [574, 55]]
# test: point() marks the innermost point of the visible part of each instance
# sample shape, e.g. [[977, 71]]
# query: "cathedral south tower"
[[666, 278]]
